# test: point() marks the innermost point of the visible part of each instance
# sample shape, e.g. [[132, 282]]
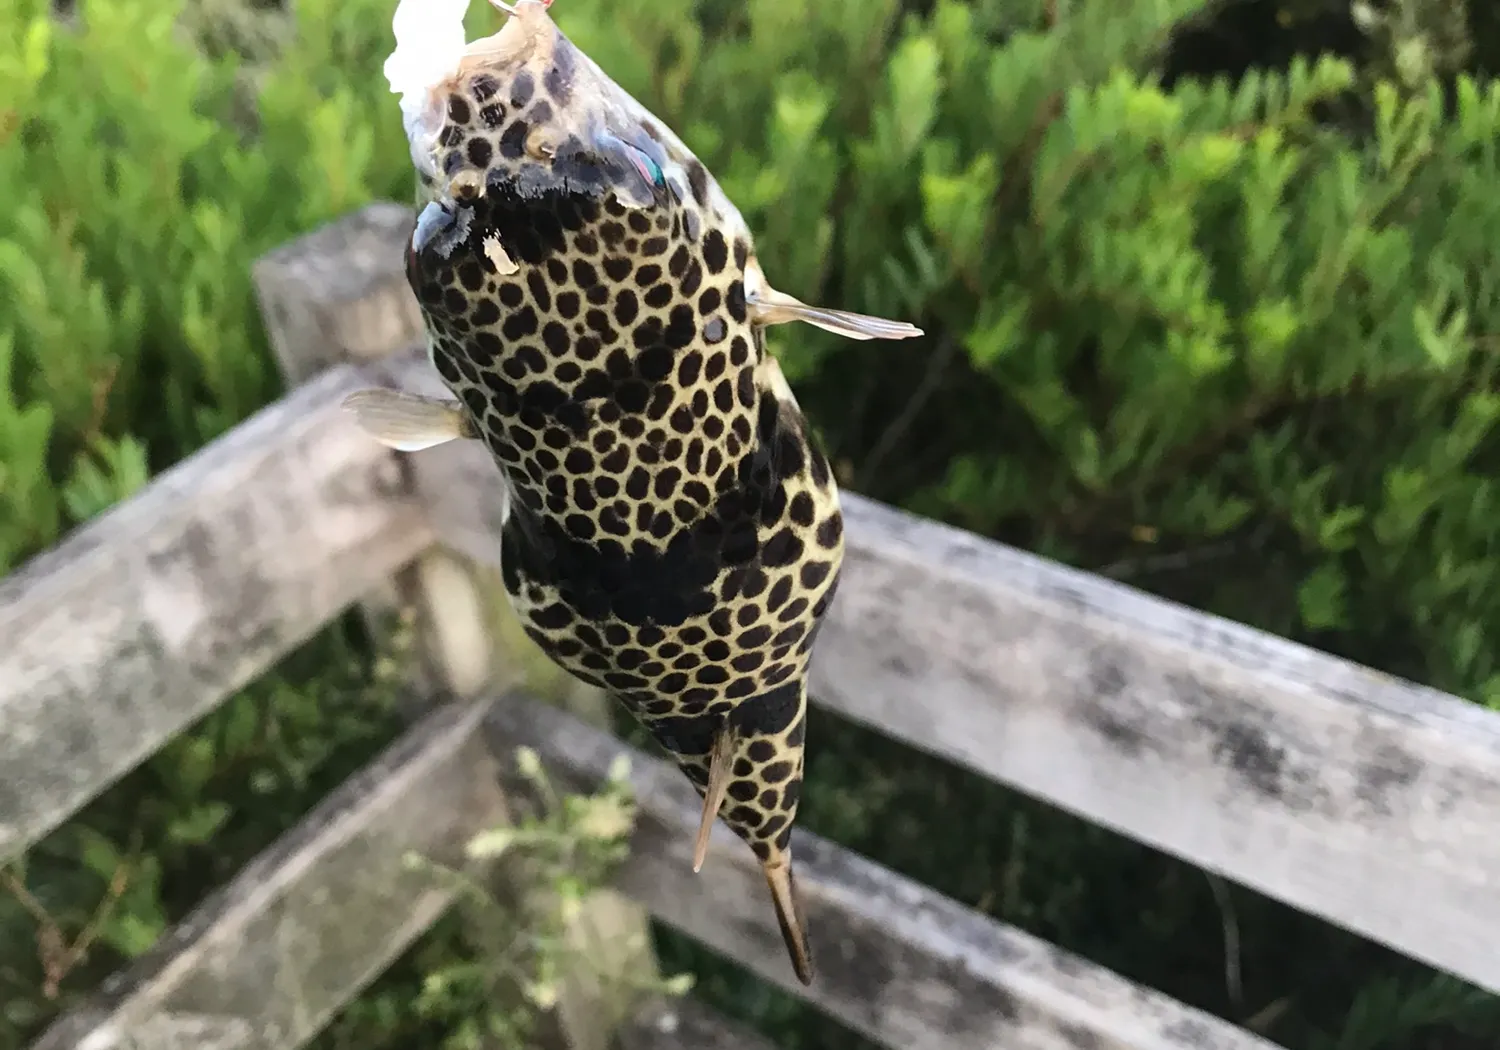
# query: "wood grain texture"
[[895, 961], [142, 621], [265, 963]]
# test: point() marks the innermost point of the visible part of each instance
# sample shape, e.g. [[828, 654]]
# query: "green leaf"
[[915, 76], [1338, 530], [1321, 598], [957, 208], [198, 826], [115, 470]]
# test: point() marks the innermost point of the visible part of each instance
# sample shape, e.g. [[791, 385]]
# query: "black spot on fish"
[[715, 251], [513, 140], [698, 182], [480, 152], [521, 88]]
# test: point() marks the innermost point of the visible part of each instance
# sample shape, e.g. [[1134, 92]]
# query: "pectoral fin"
[[407, 422], [768, 306], [719, 761]]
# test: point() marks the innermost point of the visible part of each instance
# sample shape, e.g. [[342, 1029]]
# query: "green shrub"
[[138, 191], [1230, 340]]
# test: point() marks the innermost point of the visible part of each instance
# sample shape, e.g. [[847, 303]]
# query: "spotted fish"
[[594, 302]]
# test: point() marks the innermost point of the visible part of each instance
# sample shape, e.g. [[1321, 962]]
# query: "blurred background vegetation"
[[1213, 303]]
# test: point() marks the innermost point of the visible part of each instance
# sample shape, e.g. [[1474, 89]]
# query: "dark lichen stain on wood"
[[977, 1007], [1247, 749], [1079, 1037], [1065, 962], [1191, 1033], [863, 961], [1107, 707], [896, 665], [1071, 598], [1251, 755], [990, 1001], [1389, 771]]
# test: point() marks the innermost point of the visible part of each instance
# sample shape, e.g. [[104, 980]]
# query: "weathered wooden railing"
[[1353, 796]]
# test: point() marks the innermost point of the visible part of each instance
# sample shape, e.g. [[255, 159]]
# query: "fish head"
[[528, 134]]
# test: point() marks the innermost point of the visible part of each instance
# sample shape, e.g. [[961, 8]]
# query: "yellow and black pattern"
[[675, 536]]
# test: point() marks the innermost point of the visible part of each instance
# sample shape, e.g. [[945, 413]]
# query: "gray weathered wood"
[[339, 294], [1346, 793], [895, 961], [267, 961], [142, 621], [685, 1024]]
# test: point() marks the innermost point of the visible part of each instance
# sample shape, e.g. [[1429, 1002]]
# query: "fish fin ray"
[[773, 307], [720, 758], [408, 422]]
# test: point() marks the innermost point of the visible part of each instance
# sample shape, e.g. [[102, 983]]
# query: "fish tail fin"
[[788, 904]]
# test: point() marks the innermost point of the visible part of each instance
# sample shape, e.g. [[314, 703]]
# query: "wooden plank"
[[1341, 791], [142, 621], [266, 962], [339, 294], [685, 1024], [895, 961]]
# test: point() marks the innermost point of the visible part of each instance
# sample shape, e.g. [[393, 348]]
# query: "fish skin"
[[593, 300]]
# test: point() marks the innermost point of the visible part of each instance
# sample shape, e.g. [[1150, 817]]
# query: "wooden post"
[[339, 295]]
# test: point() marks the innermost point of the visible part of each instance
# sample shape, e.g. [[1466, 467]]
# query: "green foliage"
[[1230, 338], [137, 190]]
